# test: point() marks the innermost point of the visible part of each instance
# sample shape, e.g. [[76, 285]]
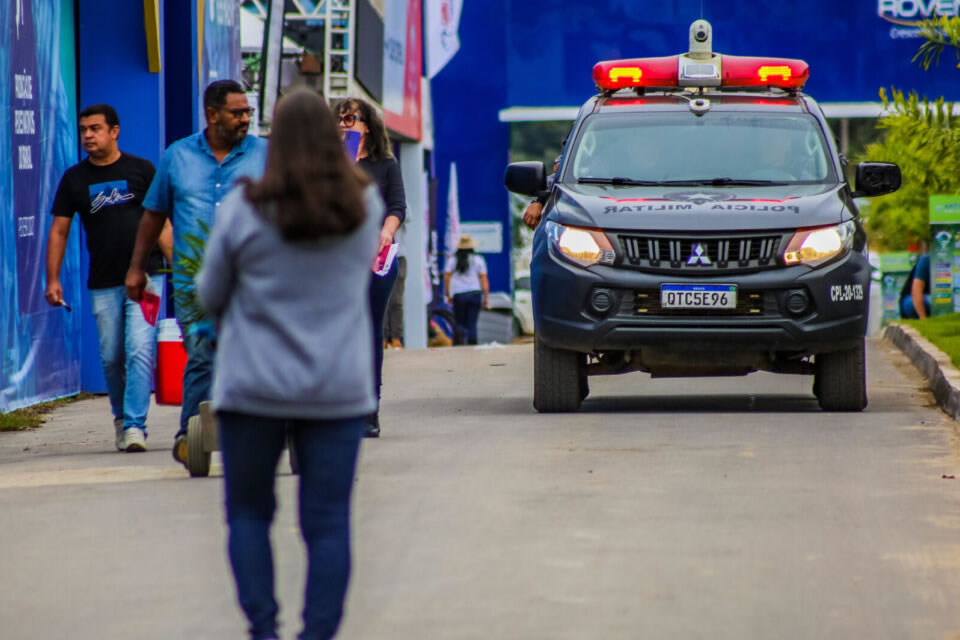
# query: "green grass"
[[943, 331], [33, 416]]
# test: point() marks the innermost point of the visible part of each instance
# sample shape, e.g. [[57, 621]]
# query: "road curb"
[[933, 363]]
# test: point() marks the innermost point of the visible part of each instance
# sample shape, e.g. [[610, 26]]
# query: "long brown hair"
[[309, 189], [376, 144]]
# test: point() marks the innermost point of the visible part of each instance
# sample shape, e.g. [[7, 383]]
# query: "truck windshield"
[[718, 148]]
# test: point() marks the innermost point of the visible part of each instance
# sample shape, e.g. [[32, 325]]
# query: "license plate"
[[698, 296]]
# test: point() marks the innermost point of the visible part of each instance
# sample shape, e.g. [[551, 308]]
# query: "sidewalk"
[[933, 363]]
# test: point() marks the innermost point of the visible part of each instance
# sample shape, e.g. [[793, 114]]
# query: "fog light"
[[601, 300], [798, 302]]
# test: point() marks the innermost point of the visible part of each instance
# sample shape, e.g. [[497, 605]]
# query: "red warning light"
[[785, 73], [737, 71], [636, 72]]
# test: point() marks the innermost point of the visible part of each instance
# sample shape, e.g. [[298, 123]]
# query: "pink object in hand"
[[384, 259], [150, 305]]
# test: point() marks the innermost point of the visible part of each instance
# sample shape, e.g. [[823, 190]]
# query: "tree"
[[940, 33], [924, 140]]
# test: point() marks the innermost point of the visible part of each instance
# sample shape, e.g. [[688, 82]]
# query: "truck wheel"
[[840, 382], [557, 384], [198, 460]]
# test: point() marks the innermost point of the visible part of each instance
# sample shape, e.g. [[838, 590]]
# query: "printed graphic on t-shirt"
[[106, 194]]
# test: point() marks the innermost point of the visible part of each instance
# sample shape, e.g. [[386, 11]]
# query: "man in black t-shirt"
[[107, 190]]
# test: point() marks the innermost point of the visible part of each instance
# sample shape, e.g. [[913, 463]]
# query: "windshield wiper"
[[721, 182], [632, 182], [713, 182]]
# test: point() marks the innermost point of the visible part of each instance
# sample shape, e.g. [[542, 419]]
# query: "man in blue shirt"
[[195, 174], [915, 296]]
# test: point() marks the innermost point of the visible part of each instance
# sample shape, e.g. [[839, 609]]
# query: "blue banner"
[[219, 51], [39, 347], [25, 145]]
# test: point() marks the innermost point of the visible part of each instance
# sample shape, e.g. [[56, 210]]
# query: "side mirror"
[[876, 179], [526, 178]]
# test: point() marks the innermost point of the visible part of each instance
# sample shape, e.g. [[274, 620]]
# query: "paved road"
[[665, 509]]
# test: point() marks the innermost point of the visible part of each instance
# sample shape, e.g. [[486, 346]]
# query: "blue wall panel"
[[180, 69], [115, 70], [467, 94]]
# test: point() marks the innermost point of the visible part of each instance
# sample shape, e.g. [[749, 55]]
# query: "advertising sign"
[[39, 345], [402, 68], [895, 268], [854, 47], [487, 235], [944, 254]]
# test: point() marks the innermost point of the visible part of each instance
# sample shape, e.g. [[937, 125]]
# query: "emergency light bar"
[[786, 73], [639, 72], [677, 71]]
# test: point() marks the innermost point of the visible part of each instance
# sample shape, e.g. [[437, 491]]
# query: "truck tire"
[[198, 460], [558, 379], [840, 382]]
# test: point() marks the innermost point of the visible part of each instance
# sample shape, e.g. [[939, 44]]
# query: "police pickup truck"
[[700, 224]]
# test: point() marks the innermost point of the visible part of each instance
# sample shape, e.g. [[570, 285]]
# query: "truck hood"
[[733, 208]]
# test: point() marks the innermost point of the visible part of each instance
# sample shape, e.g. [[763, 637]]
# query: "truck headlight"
[[581, 245], [819, 245]]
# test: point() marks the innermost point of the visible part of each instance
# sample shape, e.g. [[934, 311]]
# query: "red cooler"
[[171, 360]]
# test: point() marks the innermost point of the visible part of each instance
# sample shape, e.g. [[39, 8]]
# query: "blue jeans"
[[197, 374], [907, 310], [466, 312], [128, 347], [380, 288], [327, 456]]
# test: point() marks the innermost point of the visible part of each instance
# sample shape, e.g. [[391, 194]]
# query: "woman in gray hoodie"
[[286, 273]]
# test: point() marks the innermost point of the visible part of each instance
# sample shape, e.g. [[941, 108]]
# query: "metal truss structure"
[[337, 18]]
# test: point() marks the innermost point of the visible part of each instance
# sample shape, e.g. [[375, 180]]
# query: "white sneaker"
[[134, 440], [118, 429]]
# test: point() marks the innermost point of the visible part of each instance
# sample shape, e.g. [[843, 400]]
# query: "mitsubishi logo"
[[698, 255]]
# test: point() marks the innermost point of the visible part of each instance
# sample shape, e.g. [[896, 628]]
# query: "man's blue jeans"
[[128, 347], [197, 374], [327, 456], [907, 310]]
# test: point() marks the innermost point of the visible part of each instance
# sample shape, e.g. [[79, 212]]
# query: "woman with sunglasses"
[[288, 259], [376, 158]]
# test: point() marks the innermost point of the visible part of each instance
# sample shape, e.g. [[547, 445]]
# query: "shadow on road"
[[701, 404], [500, 407]]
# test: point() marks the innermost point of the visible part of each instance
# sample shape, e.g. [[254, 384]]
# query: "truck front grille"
[[707, 254]]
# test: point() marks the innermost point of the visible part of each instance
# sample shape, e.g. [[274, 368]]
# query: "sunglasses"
[[350, 119], [239, 113]]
